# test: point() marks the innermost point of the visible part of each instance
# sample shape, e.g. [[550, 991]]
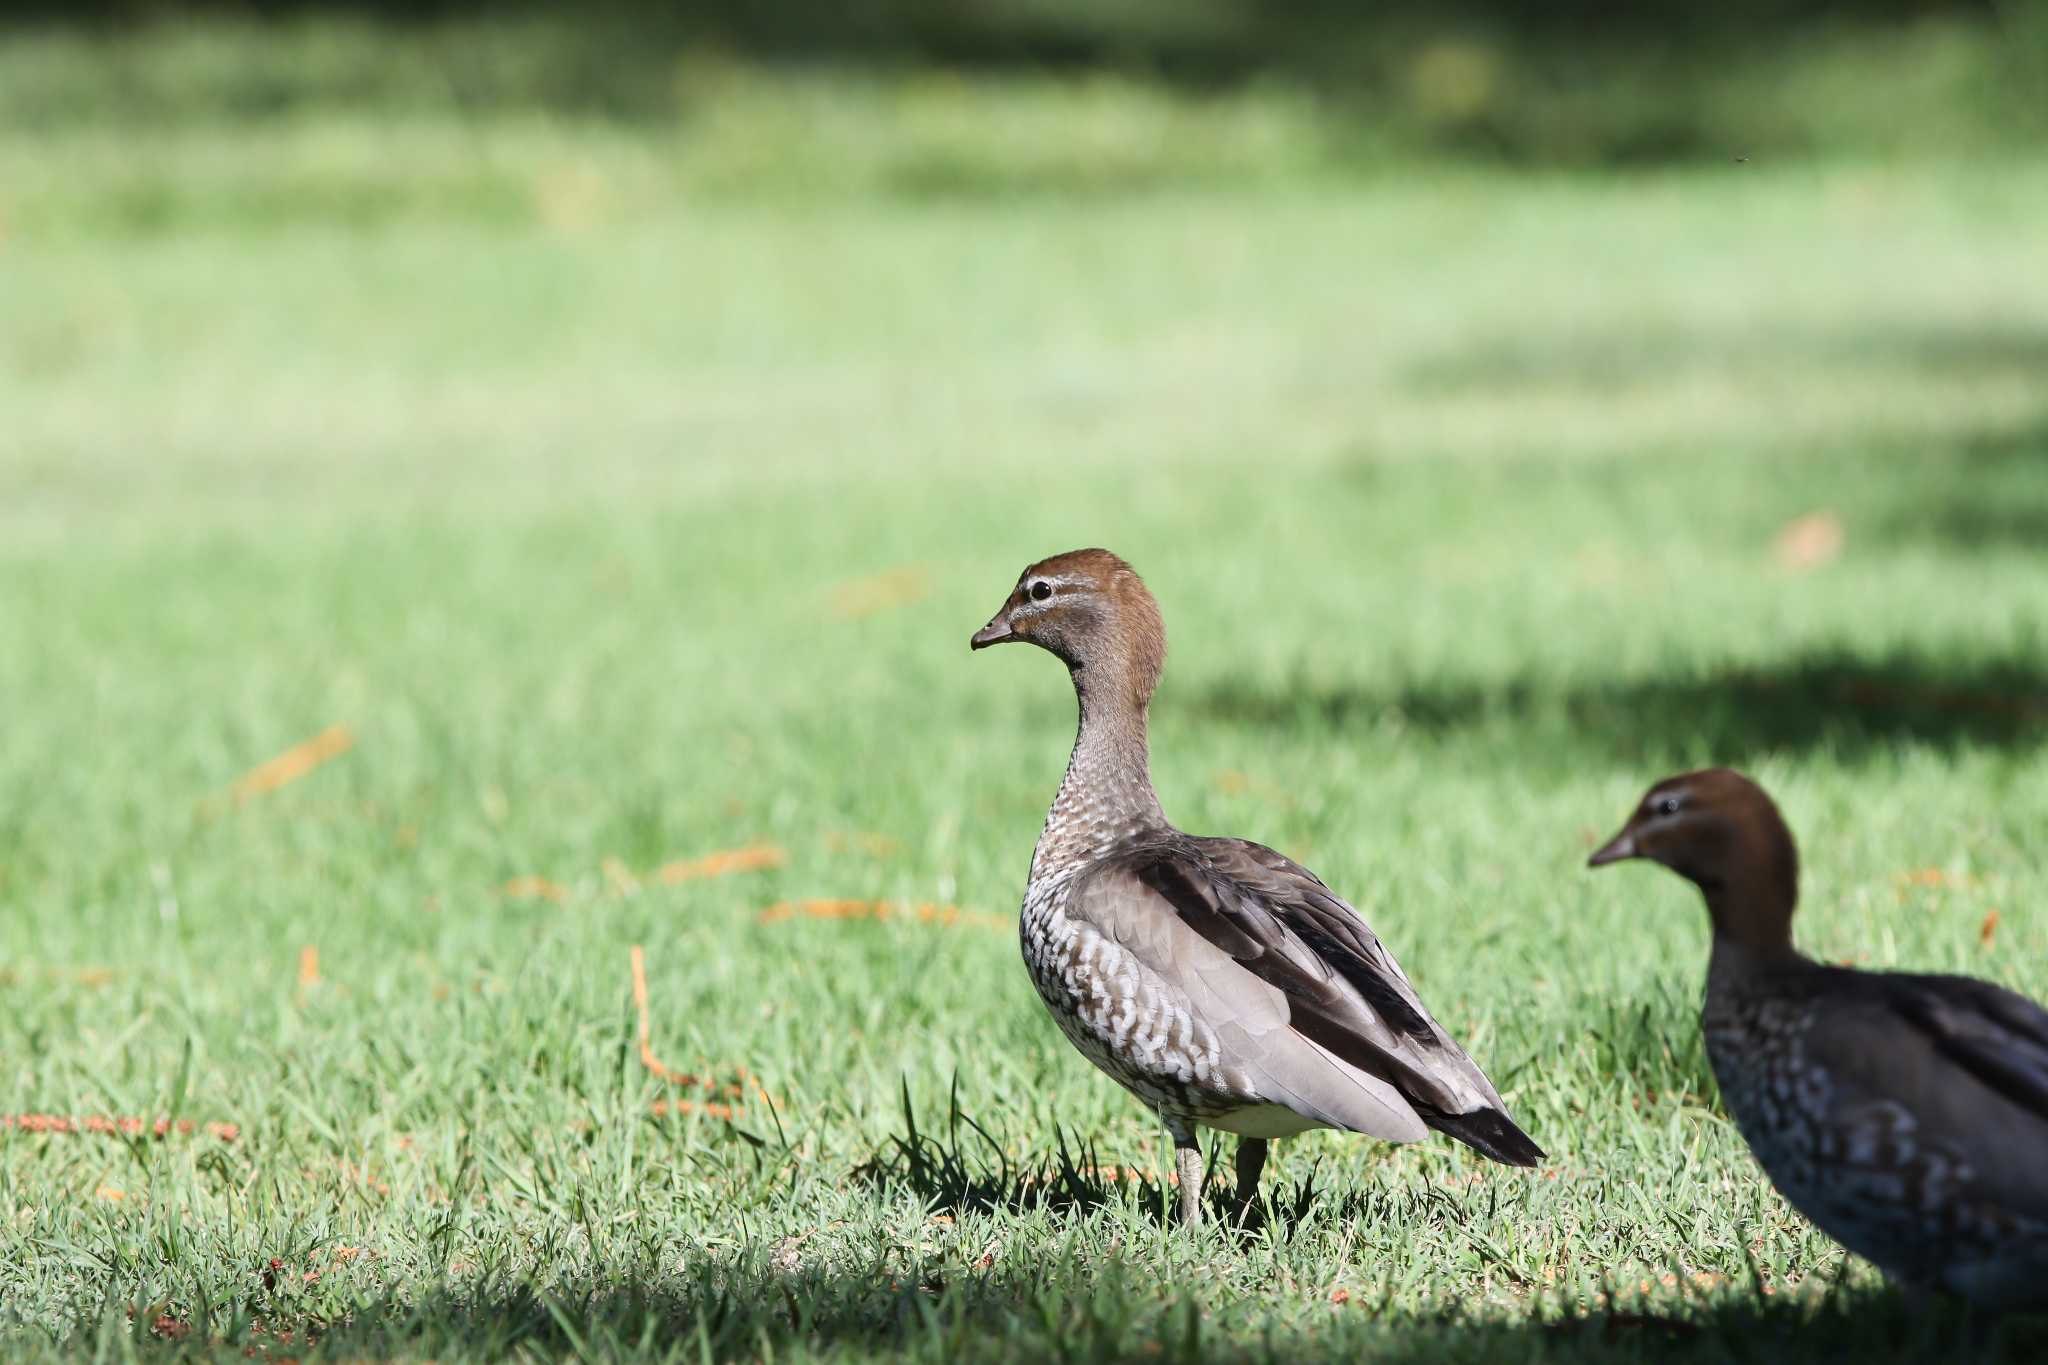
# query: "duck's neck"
[[1752, 917], [1107, 793]]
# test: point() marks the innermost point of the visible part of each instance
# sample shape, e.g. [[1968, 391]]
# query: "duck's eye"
[[1041, 590], [1666, 805]]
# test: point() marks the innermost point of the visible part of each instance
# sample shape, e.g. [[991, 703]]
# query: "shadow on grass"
[[1077, 1299], [1833, 700], [755, 1309], [1602, 362], [968, 1172], [1992, 494]]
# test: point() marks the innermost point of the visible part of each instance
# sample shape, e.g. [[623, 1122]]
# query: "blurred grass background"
[[596, 438], [358, 117]]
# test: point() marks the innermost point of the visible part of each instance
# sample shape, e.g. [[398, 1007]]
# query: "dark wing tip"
[[1997, 1036], [1491, 1134]]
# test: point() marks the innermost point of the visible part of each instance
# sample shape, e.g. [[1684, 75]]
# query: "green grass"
[[212, 123], [1459, 492]]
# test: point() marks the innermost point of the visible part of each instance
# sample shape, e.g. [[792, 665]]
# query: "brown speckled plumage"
[[1906, 1115], [1219, 982]]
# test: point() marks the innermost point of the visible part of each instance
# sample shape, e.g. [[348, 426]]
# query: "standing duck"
[[1907, 1116], [1219, 982]]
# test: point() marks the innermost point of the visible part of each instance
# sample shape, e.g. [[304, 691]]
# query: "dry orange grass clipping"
[[295, 762], [732, 1089], [750, 859], [535, 888], [111, 1126], [858, 909], [622, 880], [879, 592], [1809, 542]]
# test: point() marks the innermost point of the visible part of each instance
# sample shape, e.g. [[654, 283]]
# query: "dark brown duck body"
[[1221, 983], [1906, 1115]]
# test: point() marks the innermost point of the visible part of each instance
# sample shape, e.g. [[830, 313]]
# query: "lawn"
[[407, 617]]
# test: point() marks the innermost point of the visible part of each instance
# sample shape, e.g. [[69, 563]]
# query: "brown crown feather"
[[1732, 842], [1136, 630]]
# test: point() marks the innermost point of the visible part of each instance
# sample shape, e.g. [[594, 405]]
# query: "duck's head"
[[1092, 610], [1721, 832]]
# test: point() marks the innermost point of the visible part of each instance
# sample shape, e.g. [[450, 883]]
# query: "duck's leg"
[[1187, 1161], [1251, 1161]]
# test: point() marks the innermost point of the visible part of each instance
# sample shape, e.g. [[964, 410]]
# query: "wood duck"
[[1221, 983], [1906, 1115]]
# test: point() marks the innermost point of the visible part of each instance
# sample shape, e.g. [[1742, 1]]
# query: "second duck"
[[1221, 983]]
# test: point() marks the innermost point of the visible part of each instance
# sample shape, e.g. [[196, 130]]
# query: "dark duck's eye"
[[1665, 805], [1040, 591]]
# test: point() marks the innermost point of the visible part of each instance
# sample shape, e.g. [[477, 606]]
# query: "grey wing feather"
[[1249, 1018], [1340, 977], [1304, 910], [1262, 944]]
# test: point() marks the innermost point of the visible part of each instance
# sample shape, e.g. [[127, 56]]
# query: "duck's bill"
[[994, 633], [1622, 845]]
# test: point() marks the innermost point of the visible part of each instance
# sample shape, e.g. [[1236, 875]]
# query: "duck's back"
[[1906, 1115], [1217, 977]]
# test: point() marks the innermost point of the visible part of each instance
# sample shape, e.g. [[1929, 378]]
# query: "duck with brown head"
[[1222, 984], [1090, 610], [1718, 830], [1906, 1115]]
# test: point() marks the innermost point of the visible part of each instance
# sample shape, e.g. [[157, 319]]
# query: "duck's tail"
[[1490, 1133]]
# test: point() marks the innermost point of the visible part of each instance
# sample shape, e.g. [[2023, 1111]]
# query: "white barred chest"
[[1119, 1014]]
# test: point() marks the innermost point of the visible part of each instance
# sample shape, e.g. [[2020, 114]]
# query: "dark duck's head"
[[1721, 832]]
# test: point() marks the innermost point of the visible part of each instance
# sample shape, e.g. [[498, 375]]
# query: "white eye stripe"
[[1055, 585]]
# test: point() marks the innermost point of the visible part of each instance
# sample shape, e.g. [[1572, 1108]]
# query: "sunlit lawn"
[[584, 549]]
